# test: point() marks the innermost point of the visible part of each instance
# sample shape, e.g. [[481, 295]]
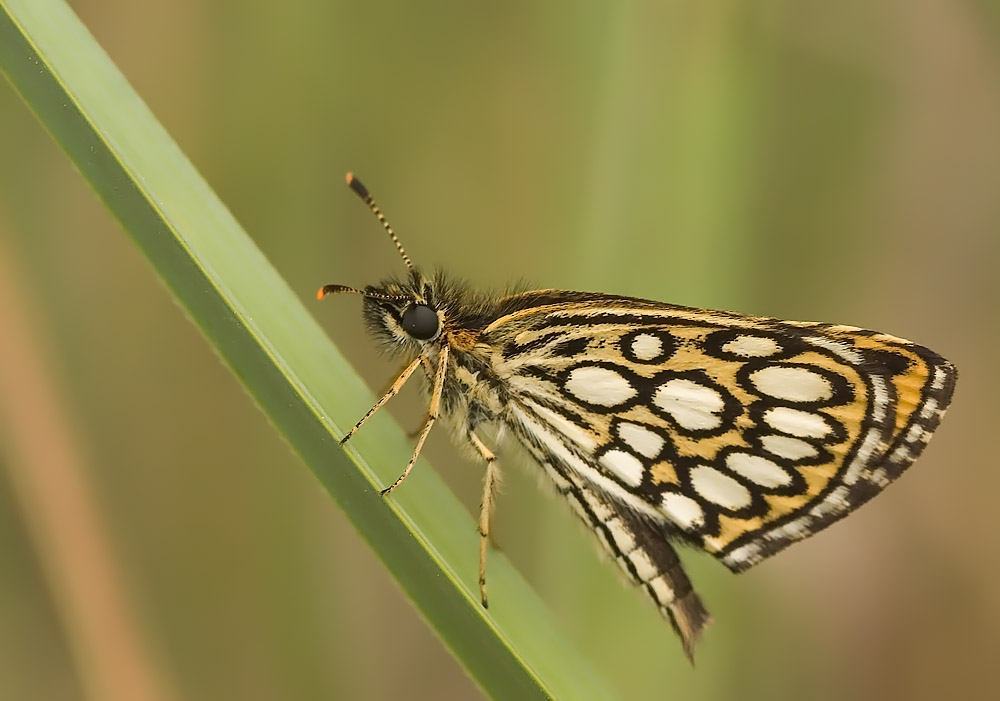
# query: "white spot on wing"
[[683, 510], [880, 392], [930, 407], [646, 346], [622, 537], [835, 502], [799, 528], [644, 567], [842, 349], [662, 590], [752, 346], [880, 477], [788, 447], [693, 406], [719, 488], [863, 456], [938, 381], [642, 440], [793, 384], [758, 470], [914, 434], [601, 510], [796, 422], [600, 386], [749, 553], [901, 454], [627, 467]]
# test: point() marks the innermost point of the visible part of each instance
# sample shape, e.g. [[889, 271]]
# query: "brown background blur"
[[806, 160]]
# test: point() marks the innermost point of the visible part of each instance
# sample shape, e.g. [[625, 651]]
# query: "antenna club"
[[359, 189]]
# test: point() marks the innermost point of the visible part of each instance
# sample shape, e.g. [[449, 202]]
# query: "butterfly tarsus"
[[390, 393], [487, 506]]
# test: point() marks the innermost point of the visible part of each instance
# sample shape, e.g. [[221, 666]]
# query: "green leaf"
[[262, 331]]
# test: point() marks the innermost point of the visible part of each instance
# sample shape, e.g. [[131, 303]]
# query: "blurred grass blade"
[[263, 332]]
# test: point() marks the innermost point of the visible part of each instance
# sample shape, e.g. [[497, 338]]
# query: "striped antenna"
[[362, 192], [344, 289]]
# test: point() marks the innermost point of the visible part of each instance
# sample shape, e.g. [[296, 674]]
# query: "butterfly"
[[662, 424]]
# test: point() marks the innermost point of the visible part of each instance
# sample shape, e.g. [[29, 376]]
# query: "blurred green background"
[[806, 160]]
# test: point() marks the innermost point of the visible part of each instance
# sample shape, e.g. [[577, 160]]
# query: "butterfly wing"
[[737, 434]]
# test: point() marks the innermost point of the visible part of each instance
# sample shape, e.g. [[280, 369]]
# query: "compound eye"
[[421, 322]]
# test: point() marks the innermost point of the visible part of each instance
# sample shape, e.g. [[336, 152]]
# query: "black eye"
[[420, 321]]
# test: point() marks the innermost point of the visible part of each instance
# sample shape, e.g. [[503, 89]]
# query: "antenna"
[[342, 289], [362, 192]]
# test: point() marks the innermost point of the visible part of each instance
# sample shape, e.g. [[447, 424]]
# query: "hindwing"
[[738, 434]]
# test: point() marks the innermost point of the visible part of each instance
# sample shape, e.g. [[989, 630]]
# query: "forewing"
[[739, 434]]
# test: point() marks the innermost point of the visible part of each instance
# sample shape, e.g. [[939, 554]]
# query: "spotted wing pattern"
[[737, 434]]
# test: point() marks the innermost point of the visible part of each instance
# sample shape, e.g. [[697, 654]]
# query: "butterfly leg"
[[432, 413], [486, 509], [429, 369], [392, 391]]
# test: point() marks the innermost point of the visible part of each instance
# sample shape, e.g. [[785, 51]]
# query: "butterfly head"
[[397, 312], [403, 313]]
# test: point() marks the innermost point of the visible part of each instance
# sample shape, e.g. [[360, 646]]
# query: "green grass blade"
[[261, 329]]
